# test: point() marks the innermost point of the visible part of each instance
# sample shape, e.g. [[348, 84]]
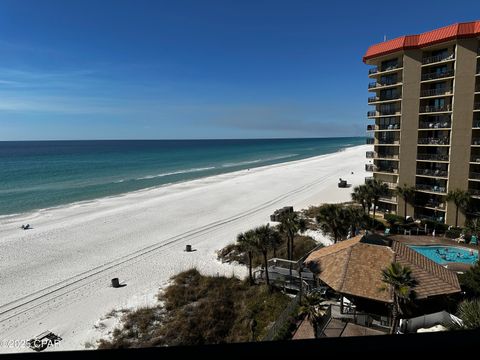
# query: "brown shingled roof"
[[354, 267]]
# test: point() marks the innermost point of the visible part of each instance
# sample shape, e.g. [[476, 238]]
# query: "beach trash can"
[[188, 248], [115, 283]]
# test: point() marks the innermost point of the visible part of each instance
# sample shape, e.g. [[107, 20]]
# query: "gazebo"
[[353, 268]]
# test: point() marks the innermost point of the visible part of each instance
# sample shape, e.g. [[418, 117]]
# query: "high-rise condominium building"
[[425, 97]]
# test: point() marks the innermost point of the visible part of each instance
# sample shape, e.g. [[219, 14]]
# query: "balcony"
[[370, 154], [432, 172], [388, 142], [475, 159], [434, 141], [477, 87], [435, 124], [437, 75], [437, 58], [373, 99], [435, 92], [386, 169], [370, 141], [370, 127], [434, 204], [433, 157], [476, 141], [435, 108], [386, 82], [371, 113], [388, 127], [392, 199], [372, 71], [369, 167], [386, 156], [432, 188], [476, 106], [474, 192], [474, 175]]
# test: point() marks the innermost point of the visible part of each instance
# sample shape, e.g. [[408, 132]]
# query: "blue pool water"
[[447, 254]]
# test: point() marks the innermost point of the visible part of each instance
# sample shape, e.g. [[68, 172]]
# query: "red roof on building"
[[447, 33]]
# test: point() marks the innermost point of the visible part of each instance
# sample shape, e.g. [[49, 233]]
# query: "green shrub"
[[393, 219], [453, 232], [198, 310]]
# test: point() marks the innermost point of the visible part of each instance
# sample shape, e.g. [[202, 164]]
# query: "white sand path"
[[56, 276]]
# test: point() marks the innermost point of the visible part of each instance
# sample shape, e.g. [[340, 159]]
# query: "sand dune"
[[56, 276]]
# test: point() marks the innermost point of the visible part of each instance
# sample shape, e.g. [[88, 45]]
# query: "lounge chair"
[[474, 240], [387, 231]]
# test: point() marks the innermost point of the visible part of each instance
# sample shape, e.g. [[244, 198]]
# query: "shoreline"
[[57, 276], [6, 217]]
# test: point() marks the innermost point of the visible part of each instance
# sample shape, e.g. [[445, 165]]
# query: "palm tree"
[[399, 279], [407, 193], [334, 221], [469, 312], [359, 195], [246, 243], [311, 307], [290, 224], [377, 189], [265, 237], [461, 199]]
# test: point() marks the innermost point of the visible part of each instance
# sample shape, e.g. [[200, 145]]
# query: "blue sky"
[[120, 69]]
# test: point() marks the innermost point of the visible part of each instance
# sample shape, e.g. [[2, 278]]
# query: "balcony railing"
[[388, 198], [370, 127], [433, 188], [476, 106], [435, 125], [369, 167], [437, 75], [474, 175], [435, 92], [437, 58], [435, 108], [372, 71], [370, 141], [389, 111], [370, 154], [389, 141], [434, 204], [475, 141], [475, 158], [383, 98], [433, 157], [385, 82], [386, 156], [385, 169], [474, 192], [477, 87], [432, 172], [434, 141], [388, 127], [476, 124], [371, 113]]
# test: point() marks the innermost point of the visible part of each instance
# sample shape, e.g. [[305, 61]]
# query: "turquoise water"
[[42, 174], [446, 254]]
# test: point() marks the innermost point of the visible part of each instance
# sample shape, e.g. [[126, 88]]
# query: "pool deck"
[[436, 240]]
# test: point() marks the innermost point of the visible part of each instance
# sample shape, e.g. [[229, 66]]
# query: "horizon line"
[[191, 139]]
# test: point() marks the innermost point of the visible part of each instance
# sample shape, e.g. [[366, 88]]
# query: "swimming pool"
[[447, 254]]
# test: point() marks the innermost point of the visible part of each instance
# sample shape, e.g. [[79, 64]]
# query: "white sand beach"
[[57, 275]]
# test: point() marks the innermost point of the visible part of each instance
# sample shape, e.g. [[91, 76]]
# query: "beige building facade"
[[425, 119]]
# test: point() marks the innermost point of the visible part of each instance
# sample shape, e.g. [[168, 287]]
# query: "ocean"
[[42, 174]]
